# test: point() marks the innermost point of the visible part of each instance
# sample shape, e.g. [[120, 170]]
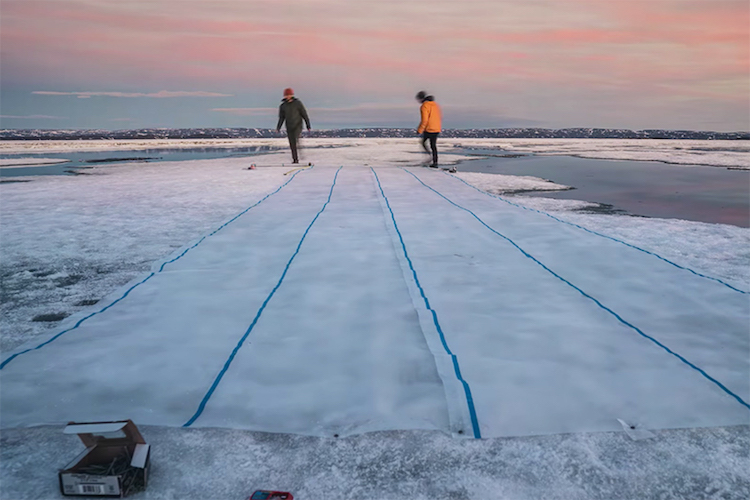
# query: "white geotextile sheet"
[[540, 356], [345, 345], [338, 348]]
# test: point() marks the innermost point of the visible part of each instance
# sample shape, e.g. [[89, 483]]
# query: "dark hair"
[[421, 95]]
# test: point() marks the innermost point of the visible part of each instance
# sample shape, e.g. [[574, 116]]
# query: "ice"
[[356, 353], [517, 308], [692, 152], [486, 287], [507, 184], [720, 250], [684, 152], [344, 151], [29, 162], [201, 464], [71, 239]]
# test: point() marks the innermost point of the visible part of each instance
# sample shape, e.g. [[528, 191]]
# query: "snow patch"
[[505, 184]]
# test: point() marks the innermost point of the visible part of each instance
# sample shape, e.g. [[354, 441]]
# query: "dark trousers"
[[432, 137], [293, 135]]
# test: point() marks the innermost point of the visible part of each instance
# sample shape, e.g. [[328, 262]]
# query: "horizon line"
[[270, 129]]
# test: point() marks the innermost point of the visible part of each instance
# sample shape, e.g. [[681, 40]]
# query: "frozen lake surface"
[[646, 188], [79, 161], [392, 307], [347, 280]]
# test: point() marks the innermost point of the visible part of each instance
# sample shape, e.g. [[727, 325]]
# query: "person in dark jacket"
[[293, 112], [430, 124]]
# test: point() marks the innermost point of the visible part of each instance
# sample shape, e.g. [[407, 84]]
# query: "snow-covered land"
[[72, 245]]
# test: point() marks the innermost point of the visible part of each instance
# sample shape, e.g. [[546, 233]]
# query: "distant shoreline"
[[266, 133]]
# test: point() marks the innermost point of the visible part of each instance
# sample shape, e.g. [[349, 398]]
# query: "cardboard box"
[[115, 462]]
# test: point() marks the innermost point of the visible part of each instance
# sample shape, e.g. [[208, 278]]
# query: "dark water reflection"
[[651, 189]]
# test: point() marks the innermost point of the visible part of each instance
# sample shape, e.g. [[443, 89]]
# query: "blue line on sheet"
[[678, 356], [467, 389], [11, 358], [600, 234], [236, 349]]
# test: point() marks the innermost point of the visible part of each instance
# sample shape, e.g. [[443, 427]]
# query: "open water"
[[649, 189]]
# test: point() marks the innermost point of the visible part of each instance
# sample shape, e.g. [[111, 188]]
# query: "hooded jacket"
[[293, 112], [431, 116]]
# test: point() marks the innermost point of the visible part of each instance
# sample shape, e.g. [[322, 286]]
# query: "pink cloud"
[[575, 47]]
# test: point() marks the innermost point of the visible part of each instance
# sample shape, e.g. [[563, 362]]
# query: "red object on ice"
[[271, 495]]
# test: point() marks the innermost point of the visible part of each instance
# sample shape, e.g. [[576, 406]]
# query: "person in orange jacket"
[[429, 127]]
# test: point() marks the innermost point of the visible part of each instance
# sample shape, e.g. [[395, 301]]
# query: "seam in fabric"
[[454, 358]]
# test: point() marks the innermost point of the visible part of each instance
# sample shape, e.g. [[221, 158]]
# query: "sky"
[[114, 64]]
